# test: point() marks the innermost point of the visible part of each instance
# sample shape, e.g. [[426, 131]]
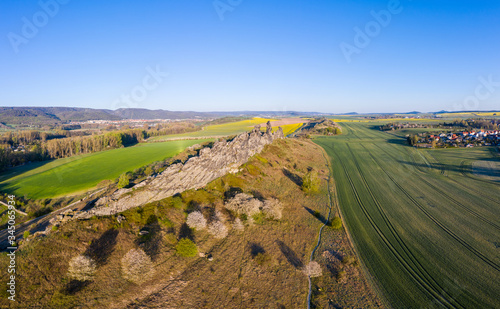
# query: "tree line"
[[17, 148], [486, 124]]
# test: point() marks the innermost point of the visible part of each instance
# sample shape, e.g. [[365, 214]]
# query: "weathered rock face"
[[224, 157]]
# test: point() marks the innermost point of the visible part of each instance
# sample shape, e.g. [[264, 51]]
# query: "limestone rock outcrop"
[[211, 163]]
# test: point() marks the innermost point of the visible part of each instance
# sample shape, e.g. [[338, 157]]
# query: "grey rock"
[[211, 163], [120, 218]]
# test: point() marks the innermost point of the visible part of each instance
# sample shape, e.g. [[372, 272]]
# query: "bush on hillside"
[[238, 225], [137, 266], [123, 181], [82, 268], [196, 220], [313, 269], [310, 182], [218, 229], [272, 209], [186, 248], [244, 203], [336, 223]]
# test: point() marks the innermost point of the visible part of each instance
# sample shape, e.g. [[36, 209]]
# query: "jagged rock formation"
[[211, 163]]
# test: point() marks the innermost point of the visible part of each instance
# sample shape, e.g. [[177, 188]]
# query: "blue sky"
[[251, 55]]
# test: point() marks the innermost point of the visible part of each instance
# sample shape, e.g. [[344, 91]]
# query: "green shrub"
[[26, 234], [261, 159], [341, 275], [165, 222], [262, 258], [177, 202], [310, 182], [186, 248], [259, 218], [123, 181], [336, 223], [149, 171], [252, 169], [349, 260]]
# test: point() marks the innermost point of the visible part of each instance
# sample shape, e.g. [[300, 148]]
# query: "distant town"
[[459, 139]]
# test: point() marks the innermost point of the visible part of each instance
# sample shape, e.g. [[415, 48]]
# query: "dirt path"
[[43, 221], [323, 226], [17, 210]]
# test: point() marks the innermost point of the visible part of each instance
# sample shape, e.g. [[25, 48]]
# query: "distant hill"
[[51, 115], [58, 115], [142, 113]]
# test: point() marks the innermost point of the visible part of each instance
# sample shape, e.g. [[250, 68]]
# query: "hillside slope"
[[259, 266]]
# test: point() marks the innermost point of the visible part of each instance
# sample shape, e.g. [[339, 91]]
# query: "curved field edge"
[[400, 261], [78, 173]]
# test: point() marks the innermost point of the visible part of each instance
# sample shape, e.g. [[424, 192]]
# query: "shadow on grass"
[[317, 215], [290, 255], [185, 232], [101, 248], [293, 177], [255, 249], [232, 192], [90, 204], [74, 286], [151, 241]]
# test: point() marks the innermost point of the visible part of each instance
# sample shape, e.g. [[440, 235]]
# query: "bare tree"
[[196, 220], [217, 229], [272, 208], [220, 216], [244, 203], [137, 266], [238, 225], [82, 268], [313, 269]]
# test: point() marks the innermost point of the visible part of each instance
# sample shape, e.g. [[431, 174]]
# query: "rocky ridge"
[[211, 163]]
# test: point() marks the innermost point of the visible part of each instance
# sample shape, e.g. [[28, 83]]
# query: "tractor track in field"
[[483, 196], [424, 275], [463, 168], [413, 274], [439, 191], [438, 223]]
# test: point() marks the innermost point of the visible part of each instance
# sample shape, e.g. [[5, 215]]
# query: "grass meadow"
[[425, 226], [70, 175]]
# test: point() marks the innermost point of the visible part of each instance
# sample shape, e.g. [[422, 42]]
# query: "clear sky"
[[325, 56]]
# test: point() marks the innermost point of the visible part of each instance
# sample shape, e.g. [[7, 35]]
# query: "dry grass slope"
[[258, 264]]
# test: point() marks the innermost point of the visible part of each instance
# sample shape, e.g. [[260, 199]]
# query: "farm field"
[[77, 173], [470, 114], [227, 129], [426, 228]]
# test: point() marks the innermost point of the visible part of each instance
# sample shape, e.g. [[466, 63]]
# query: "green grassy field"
[[425, 227], [77, 173]]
